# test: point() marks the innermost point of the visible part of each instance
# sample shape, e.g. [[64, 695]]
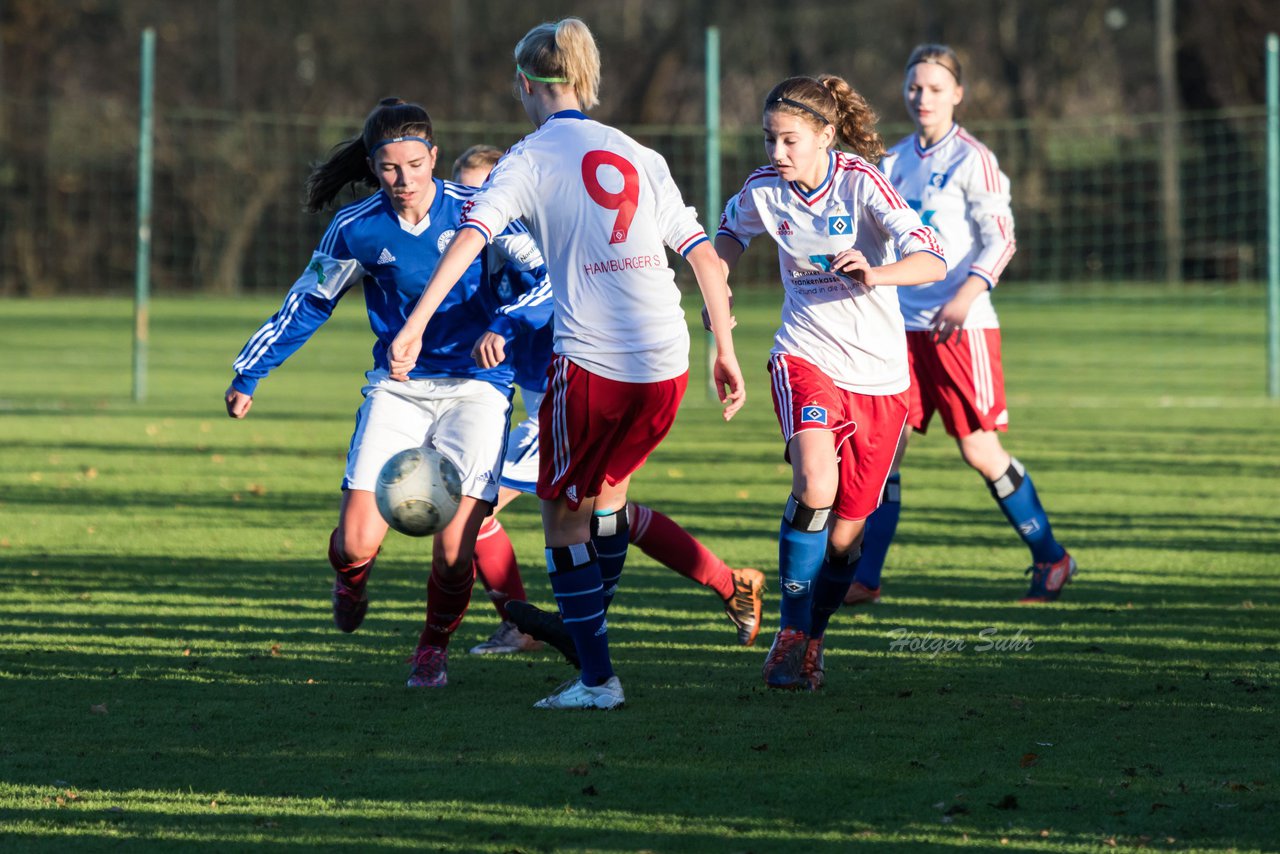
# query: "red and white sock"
[[496, 566], [674, 547], [447, 601]]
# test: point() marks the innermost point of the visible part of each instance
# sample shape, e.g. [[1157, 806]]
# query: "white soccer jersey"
[[960, 192], [853, 333], [602, 207]]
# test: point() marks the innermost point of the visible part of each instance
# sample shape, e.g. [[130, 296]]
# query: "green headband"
[[529, 76]]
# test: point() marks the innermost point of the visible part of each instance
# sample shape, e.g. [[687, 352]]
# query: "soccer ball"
[[418, 491]]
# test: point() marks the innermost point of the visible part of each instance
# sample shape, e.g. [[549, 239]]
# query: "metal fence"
[[1088, 199]]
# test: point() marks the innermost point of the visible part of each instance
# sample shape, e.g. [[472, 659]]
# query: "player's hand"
[[706, 316], [403, 353], [730, 387], [490, 350], [949, 321], [852, 263], [238, 402]]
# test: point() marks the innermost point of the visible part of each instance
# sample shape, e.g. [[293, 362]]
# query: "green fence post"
[[142, 269], [1273, 215], [713, 169]]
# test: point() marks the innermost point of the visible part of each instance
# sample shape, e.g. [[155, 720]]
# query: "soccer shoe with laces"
[[1048, 579], [544, 626], [430, 667], [746, 604], [861, 594], [350, 601], [813, 668], [575, 695], [783, 667], [506, 639]]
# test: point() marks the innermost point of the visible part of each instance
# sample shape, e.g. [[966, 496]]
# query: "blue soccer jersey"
[[526, 324], [367, 242]]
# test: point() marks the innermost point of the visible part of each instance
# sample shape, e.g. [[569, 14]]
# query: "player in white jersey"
[[529, 350], [953, 335], [387, 243], [604, 209], [839, 359]]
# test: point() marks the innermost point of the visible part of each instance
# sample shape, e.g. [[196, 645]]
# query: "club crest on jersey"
[[813, 415], [938, 179], [442, 242], [840, 225], [784, 230]]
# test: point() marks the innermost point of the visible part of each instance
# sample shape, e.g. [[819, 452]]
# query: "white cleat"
[[505, 640], [575, 695]]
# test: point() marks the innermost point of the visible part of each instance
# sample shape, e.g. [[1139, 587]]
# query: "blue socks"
[[610, 535], [575, 580], [802, 546], [828, 594], [881, 526], [1016, 495]]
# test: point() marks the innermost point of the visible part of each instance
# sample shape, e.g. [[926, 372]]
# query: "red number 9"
[[625, 201]]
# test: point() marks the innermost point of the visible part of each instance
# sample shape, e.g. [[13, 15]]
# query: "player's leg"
[[469, 428], [1013, 491], [882, 525], [498, 570], [973, 418], [866, 455], [353, 547], [742, 590], [386, 423]]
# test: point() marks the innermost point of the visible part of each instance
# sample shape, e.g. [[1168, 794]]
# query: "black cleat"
[[544, 626]]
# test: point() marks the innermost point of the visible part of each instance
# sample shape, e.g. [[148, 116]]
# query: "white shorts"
[[464, 419], [520, 466]]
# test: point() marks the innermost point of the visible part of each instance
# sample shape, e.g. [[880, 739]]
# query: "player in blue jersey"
[[845, 240], [953, 335], [389, 243]]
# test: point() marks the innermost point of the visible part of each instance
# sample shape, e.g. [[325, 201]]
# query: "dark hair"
[[935, 54], [830, 100], [348, 160], [476, 157]]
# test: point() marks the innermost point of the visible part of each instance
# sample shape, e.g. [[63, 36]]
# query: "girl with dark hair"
[[839, 360], [390, 242]]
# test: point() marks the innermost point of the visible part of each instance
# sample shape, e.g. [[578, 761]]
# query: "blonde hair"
[[830, 100], [564, 49], [477, 157], [935, 54]]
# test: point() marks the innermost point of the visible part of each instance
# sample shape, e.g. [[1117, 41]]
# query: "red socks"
[[496, 566], [674, 547], [354, 572], [446, 603]]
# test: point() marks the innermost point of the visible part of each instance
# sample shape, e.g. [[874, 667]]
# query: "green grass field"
[[170, 677]]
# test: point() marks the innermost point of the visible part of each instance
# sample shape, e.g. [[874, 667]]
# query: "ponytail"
[[348, 161], [562, 54], [829, 100]]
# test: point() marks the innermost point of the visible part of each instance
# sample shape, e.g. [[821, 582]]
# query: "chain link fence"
[[227, 218]]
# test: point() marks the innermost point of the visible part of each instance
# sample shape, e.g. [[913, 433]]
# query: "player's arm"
[[920, 255], [505, 196], [530, 308], [709, 272], [309, 303]]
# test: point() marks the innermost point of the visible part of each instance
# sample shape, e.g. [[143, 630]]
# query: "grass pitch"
[[170, 677]]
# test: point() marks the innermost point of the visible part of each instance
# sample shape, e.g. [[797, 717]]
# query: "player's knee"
[[805, 518], [354, 544]]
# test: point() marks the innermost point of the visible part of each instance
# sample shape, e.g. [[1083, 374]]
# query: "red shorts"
[[866, 428], [594, 429], [962, 380]]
